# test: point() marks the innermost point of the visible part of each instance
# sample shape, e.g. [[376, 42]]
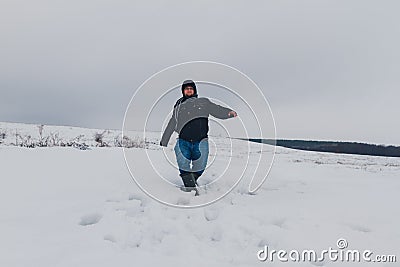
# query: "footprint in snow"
[[183, 201], [211, 213], [360, 228], [280, 222], [90, 219], [110, 238], [216, 235], [263, 242], [143, 200]]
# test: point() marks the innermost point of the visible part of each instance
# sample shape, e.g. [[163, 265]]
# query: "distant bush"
[[53, 139], [26, 141], [76, 143], [127, 142], [99, 139], [3, 135]]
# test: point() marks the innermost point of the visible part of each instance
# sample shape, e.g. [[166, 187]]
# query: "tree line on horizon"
[[334, 147]]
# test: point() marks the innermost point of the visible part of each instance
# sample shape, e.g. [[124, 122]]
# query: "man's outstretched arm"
[[220, 112], [168, 132]]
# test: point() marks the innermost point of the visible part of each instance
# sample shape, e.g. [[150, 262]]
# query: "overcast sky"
[[330, 69]]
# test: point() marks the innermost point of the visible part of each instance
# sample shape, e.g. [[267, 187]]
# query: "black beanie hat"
[[189, 83]]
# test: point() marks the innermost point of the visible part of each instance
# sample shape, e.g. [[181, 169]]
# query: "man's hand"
[[232, 114], [163, 144]]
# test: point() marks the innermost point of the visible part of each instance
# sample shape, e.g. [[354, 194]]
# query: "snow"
[[61, 206]]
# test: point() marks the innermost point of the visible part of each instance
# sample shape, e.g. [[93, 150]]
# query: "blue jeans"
[[195, 153]]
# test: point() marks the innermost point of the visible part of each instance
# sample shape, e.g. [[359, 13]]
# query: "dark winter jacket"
[[190, 118]]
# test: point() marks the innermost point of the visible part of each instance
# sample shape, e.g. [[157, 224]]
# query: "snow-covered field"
[[62, 206]]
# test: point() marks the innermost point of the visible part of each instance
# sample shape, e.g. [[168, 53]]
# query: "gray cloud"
[[328, 68]]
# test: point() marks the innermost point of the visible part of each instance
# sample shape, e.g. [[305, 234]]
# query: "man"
[[190, 120]]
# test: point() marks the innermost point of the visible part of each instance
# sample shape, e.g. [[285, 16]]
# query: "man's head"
[[189, 88]]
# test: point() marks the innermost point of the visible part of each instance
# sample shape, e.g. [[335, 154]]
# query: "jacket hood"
[[189, 83]]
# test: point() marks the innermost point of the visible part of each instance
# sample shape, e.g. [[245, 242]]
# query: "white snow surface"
[[61, 206]]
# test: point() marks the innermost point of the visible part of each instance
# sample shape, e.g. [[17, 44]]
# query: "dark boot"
[[189, 182], [196, 177]]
